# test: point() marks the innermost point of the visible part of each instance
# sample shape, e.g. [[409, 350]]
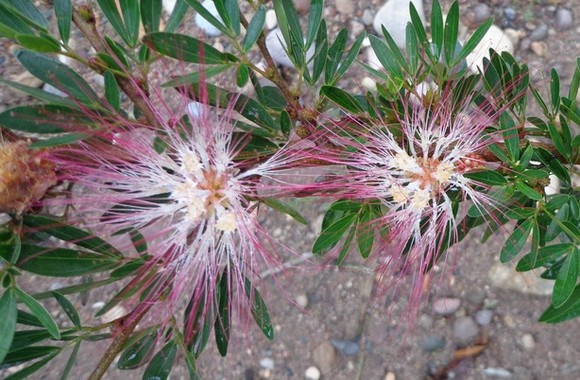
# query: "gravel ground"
[[479, 323]]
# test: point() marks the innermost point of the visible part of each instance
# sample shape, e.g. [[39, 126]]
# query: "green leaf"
[[26, 372], [112, 91], [320, 52], [562, 146], [160, 366], [488, 177], [332, 234], [177, 15], [138, 353], [555, 90], [511, 136], [44, 119], [342, 98], [222, 322], [41, 95], [567, 279], [109, 8], [68, 308], [529, 191], [387, 57], [516, 241], [11, 24], [437, 28], [59, 75], [186, 48], [40, 312], [568, 310], [254, 28], [259, 310], [450, 32], [412, 48], [365, 233], [242, 75], [230, 14], [284, 208], [71, 361], [27, 10], [553, 164], [25, 318], [346, 246], [59, 230], [39, 44], [58, 262], [545, 255], [473, 41], [350, 57], [334, 54], [7, 321], [26, 338], [151, 15], [28, 353], [314, 20], [132, 18], [63, 11], [65, 139], [289, 24]]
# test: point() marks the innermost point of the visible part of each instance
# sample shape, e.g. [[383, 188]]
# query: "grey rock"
[[367, 17], [465, 329], [500, 373], [446, 306], [394, 16], [477, 296], [539, 33], [433, 343], [324, 357], [267, 363], [564, 19], [479, 14], [347, 347], [484, 317], [509, 13]]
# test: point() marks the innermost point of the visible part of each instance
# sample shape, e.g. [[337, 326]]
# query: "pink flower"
[[416, 167], [183, 189]]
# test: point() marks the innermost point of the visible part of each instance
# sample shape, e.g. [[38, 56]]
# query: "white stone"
[[373, 60], [53, 90], [369, 84], [528, 342], [302, 300], [168, 5], [553, 187], [495, 39], [205, 25], [312, 373], [271, 20], [394, 16], [390, 376], [267, 363], [276, 46]]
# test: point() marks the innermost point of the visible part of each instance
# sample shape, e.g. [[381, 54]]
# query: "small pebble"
[[497, 372], [528, 342], [312, 373], [509, 13], [390, 376], [369, 84], [267, 363], [347, 347], [564, 19], [478, 14], [539, 33], [539, 48], [446, 306], [302, 300], [465, 329], [434, 343], [484, 317]]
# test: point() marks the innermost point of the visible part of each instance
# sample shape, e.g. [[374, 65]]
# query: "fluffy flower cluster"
[[181, 188], [419, 175]]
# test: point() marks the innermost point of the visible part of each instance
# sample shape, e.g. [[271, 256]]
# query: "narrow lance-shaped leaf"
[[567, 279], [569, 310], [516, 241], [473, 41], [151, 15], [109, 8], [259, 310], [40, 312], [7, 321], [68, 308], [160, 366], [222, 321], [186, 48], [254, 28], [451, 30], [314, 19]]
